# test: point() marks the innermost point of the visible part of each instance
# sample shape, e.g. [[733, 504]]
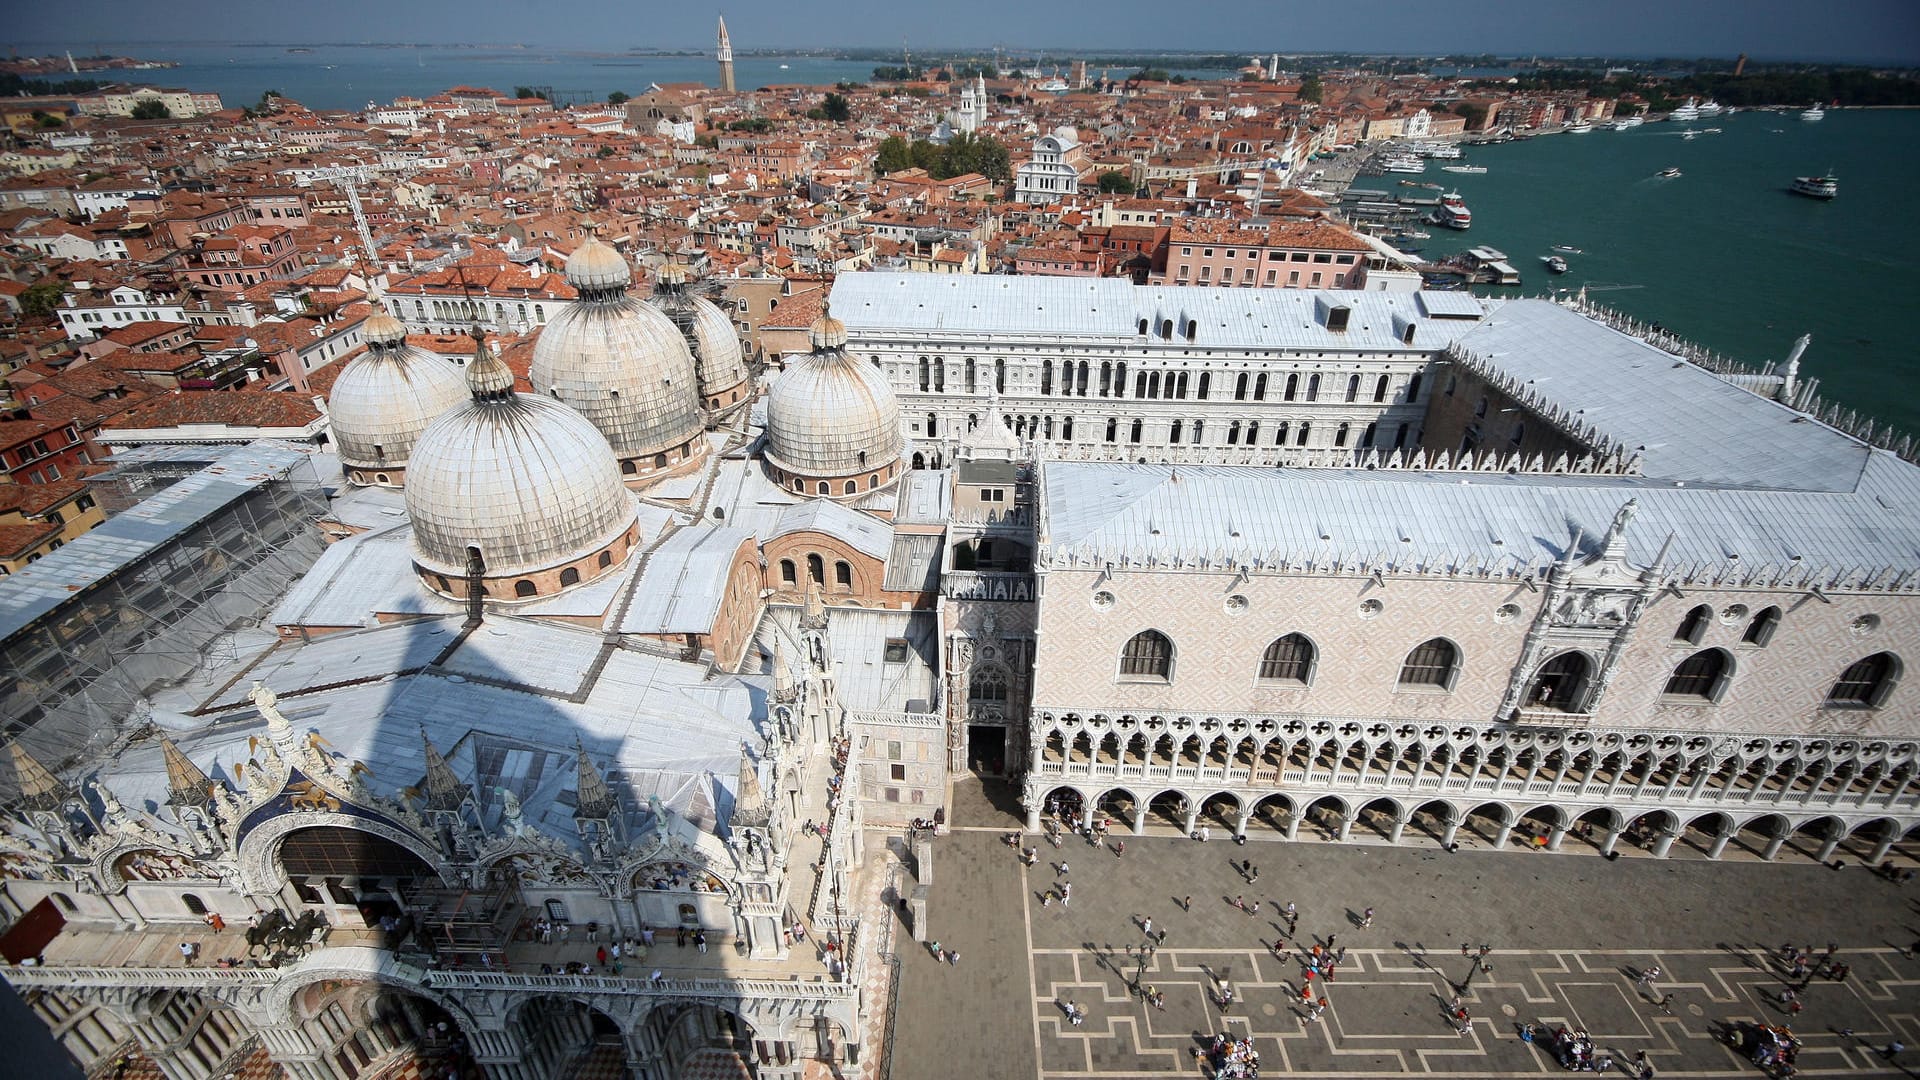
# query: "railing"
[[69, 975], [987, 585], [882, 718], [798, 989]]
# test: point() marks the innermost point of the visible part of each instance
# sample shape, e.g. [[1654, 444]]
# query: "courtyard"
[[1568, 935]]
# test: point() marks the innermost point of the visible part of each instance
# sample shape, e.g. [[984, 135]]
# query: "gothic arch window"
[[1289, 659], [1866, 683], [987, 685], [1293, 387], [1313, 387], [1561, 683], [1694, 626], [1703, 676], [1148, 657], [1434, 664], [1760, 630], [1240, 387]]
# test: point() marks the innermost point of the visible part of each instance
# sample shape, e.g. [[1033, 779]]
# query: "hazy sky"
[[1873, 30]]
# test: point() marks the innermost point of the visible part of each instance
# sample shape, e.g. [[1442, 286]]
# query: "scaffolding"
[[90, 633]]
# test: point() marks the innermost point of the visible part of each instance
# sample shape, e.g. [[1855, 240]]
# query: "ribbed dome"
[[619, 362], [527, 480], [387, 396], [594, 265], [831, 413], [716, 348]]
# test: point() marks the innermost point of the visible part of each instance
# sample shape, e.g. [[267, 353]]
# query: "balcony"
[[987, 585]]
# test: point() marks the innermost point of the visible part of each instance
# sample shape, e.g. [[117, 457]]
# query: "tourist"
[[1366, 919], [188, 950], [600, 956], [1146, 925], [214, 920], [953, 957]]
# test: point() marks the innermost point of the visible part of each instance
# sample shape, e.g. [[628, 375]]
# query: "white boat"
[[1453, 212], [1710, 107], [1688, 112], [1443, 150], [1568, 250], [1403, 163], [1470, 169], [1579, 127], [1555, 263], [1813, 112], [1816, 187], [1669, 173]]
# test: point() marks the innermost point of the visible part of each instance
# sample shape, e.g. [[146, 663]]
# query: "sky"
[[1877, 31]]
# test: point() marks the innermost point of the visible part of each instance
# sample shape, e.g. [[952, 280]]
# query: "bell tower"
[[725, 57]]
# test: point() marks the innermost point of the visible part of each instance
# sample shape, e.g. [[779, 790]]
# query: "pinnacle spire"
[[593, 799], [783, 686], [188, 785], [444, 789], [748, 795], [38, 787]]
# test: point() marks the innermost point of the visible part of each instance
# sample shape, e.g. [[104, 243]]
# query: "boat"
[[1443, 150], [1568, 250], [1472, 169], [1580, 127], [1816, 187], [783, 67], [1403, 164], [1688, 112], [1555, 263], [1434, 187], [1452, 212], [1670, 172], [1813, 112], [1710, 107]]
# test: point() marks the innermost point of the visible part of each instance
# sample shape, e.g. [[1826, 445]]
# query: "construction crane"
[[348, 178]]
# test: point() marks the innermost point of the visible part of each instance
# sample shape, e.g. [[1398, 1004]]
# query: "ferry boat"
[[1453, 212], [1568, 250], [1688, 112], [1443, 150], [1403, 163], [1555, 263], [1470, 169], [1813, 112], [1670, 172], [1816, 187]]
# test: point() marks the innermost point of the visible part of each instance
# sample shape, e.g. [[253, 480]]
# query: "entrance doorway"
[[987, 749]]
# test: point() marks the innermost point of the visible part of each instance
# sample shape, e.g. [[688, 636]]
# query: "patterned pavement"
[[1568, 935]]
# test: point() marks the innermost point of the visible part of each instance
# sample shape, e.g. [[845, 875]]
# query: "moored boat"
[[1452, 212], [1688, 112], [1816, 187]]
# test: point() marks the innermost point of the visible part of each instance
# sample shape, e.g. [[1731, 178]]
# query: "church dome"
[[385, 398], [717, 359], [621, 364], [527, 481], [832, 416]]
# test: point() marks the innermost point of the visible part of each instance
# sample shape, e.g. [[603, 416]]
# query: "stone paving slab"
[[1569, 933]]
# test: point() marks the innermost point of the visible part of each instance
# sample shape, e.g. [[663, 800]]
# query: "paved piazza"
[[1568, 934]]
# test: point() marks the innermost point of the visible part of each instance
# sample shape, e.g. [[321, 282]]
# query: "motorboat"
[[1710, 107], [1816, 187], [1555, 263], [1474, 170], [1579, 127], [1452, 212], [1568, 250], [1670, 172], [1443, 150], [1688, 112], [1403, 163], [1813, 112]]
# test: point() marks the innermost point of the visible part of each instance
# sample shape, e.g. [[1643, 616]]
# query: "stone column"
[[1193, 816], [1665, 843], [1346, 828], [1453, 830], [1139, 819], [1613, 837], [1554, 837], [1775, 843], [1293, 823], [1399, 826], [293, 1049], [1829, 846], [1720, 839], [1500, 838], [1030, 794], [1883, 848], [1246, 816]]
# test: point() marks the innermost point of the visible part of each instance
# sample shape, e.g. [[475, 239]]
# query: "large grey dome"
[[716, 347], [525, 479], [618, 361], [831, 413], [386, 397]]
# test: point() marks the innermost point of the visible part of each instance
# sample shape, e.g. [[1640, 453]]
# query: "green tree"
[[42, 298], [1311, 90], [1475, 113], [969, 153], [836, 108], [894, 156], [47, 119], [619, 97], [893, 74], [606, 152], [523, 91], [1152, 75], [1115, 182], [151, 109]]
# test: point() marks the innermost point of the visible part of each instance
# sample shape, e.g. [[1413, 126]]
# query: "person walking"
[[1186, 904], [1366, 918], [1146, 925], [187, 951], [953, 957], [214, 920], [700, 939]]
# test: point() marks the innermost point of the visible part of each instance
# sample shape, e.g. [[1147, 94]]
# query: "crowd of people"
[[1229, 1058]]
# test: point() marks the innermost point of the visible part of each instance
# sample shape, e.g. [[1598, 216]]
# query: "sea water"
[[1724, 255]]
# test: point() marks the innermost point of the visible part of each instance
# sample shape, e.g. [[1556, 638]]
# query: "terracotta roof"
[[238, 408], [18, 540]]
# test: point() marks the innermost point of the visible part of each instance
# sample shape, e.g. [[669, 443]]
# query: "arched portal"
[[1561, 683], [706, 1040], [1273, 812], [1490, 822], [355, 877], [1379, 817], [1120, 805], [1535, 828], [1221, 811], [1328, 816], [1170, 808], [1702, 833], [1435, 819], [376, 1029], [1759, 835]]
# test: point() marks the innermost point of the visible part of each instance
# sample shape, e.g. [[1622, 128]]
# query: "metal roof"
[[685, 582], [42, 586], [1080, 309]]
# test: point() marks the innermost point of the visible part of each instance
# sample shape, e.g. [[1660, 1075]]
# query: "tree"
[[1475, 113], [619, 97], [151, 109], [1152, 75], [1115, 182], [1311, 90], [836, 108], [606, 152], [42, 298], [893, 156], [47, 119]]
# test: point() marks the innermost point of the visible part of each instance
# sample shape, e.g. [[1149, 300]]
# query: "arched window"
[[1206, 383], [1148, 657], [1240, 387], [1380, 388], [1260, 387], [1480, 409], [1561, 684], [1134, 434], [1290, 659], [1433, 663], [1313, 387], [194, 906], [1293, 387], [1694, 626], [1760, 630], [843, 574], [1143, 328], [1353, 388], [605, 560], [570, 576], [987, 686], [1066, 428], [816, 570], [926, 374], [1703, 675], [1866, 684], [1413, 388], [1519, 434], [523, 587], [850, 487], [823, 488]]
